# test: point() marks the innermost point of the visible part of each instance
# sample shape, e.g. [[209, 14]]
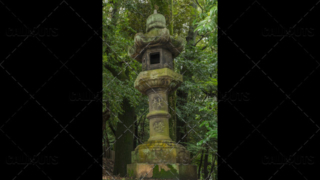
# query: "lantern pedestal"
[[162, 171]]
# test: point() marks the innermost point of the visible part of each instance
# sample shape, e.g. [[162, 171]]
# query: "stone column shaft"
[[158, 114]]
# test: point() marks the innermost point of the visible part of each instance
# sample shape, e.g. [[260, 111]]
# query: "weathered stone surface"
[[160, 151], [159, 128], [158, 78], [165, 59], [157, 36], [162, 171], [153, 39], [155, 21]]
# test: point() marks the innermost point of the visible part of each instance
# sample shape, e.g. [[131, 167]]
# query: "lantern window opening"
[[155, 58]]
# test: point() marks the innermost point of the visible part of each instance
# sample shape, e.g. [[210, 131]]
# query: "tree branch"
[[204, 48], [199, 6], [122, 76], [112, 129], [202, 36], [212, 166], [199, 40]]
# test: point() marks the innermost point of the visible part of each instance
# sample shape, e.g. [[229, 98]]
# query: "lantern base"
[[160, 151], [162, 171]]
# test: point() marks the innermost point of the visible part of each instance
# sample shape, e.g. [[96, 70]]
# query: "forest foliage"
[[195, 101]]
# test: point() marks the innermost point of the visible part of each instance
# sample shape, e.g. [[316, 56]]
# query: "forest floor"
[[107, 168], [108, 171]]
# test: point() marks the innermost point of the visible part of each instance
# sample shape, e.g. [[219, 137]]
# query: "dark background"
[[268, 89], [268, 76], [45, 77]]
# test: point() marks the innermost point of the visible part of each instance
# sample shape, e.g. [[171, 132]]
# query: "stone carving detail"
[[158, 126], [157, 103], [165, 78]]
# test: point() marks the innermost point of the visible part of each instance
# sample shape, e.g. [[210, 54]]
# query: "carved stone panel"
[[157, 103], [158, 126]]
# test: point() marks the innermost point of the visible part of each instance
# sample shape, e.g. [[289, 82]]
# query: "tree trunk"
[[191, 37], [172, 111], [104, 133], [113, 23], [112, 129], [105, 118], [183, 95], [199, 172], [212, 167], [171, 17], [124, 143], [107, 149], [172, 96], [135, 138], [182, 101], [205, 164]]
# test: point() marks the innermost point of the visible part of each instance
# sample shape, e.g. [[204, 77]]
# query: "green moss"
[[172, 173], [130, 173]]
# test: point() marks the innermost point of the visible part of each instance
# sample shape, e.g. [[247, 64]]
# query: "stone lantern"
[[159, 157]]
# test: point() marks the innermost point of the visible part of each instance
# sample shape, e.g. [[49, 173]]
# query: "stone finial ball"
[[156, 21]]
